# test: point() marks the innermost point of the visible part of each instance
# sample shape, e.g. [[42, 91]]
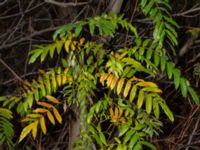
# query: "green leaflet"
[[133, 93], [133, 141], [128, 136], [167, 111], [148, 103], [170, 67], [177, 76], [193, 94], [140, 99], [156, 108], [183, 84], [148, 144]]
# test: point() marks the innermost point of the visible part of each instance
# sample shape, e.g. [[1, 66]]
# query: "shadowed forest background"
[[25, 23]]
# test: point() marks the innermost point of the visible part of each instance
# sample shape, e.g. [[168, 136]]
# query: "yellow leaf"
[[137, 79], [113, 83], [51, 118], [25, 132], [43, 125], [127, 88], [69, 78], [52, 99], [33, 115], [67, 44], [109, 79], [72, 45], [146, 84], [120, 85], [27, 119], [45, 104], [111, 112], [57, 115], [122, 55], [64, 79], [53, 79], [103, 78], [116, 115], [34, 129], [126, 113], [59, 76], [82, 40], [40, 110], [152, 89], [47, 83], [42, 87]]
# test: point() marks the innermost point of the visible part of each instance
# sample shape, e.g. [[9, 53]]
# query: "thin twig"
[[188, 11], [193, 132], [62, 4], [11, 70], [28, 37]]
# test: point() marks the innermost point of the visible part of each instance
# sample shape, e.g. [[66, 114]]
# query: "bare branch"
[[11, 70], [28, 37], [61, 4]]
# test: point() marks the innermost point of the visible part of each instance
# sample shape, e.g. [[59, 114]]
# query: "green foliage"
[[159, 12], [6, 127], [108, 87]]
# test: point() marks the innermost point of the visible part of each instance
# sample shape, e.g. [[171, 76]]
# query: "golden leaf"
[[51, 118], [40, 110], [109, 79], [25, 131], [111, 112], [64, 79], [72, 45], [52, 99], [57, 115], [120, 85], [82, 40], [59, 76], [103, 78], [67, 44], [113, 83], [41, 86], [27, 119], [45, 104], [122, 55], [126, 113], [43, 125], [116, 114], [33, 115], [127, 88], [34, 129], [54, 82], [146, 84]]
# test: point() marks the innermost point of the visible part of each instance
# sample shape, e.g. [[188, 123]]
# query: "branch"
[[12, 71], [61, 4], [28, 37], [188, 11]]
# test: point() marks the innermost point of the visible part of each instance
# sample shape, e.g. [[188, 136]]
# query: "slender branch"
[[11, 70], [61, 4], [2, 3], [188, 11], [28, 37]]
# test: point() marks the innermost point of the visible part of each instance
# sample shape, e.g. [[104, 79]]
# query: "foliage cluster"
[[113, 88]]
